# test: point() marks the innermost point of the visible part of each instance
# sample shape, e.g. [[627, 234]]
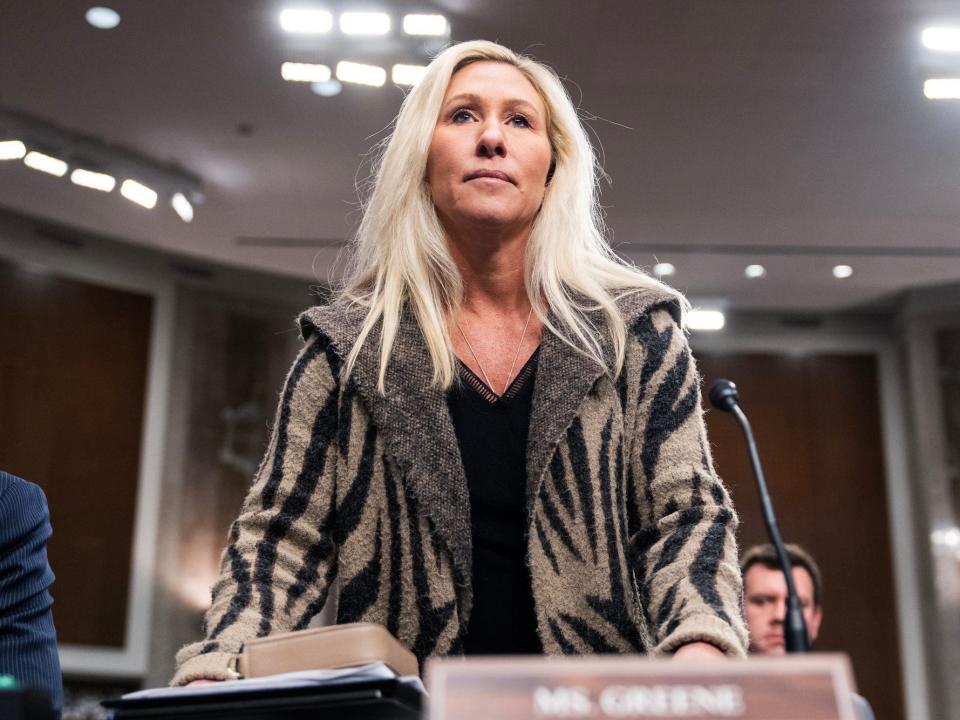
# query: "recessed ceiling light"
[[12, 150], [139, 193], [360, 74], [304, 72], [93, 180], [103, 18], [182, 207], [361, 23], [754, 272], [842, 272], [706, 320], [45, 163], [306, 21], [943, 39], [425, 25], [942, 89], [664, 269], [328, 88], [408, 74]]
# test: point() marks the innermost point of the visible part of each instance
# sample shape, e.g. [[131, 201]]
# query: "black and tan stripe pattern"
[[631, 535]]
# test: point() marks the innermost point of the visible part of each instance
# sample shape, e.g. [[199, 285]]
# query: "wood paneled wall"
[[73, 366], [816, 418]]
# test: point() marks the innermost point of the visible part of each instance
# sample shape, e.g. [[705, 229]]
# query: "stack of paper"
[[301, 679]]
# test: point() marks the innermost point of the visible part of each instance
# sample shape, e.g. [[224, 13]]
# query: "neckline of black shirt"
[[492, 435], [470, 379]]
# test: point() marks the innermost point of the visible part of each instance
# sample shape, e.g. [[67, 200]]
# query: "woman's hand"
[[698, 651]]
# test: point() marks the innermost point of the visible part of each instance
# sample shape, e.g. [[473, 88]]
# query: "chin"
[[485, 209], [481, 210], [769, 650], [492, 217]]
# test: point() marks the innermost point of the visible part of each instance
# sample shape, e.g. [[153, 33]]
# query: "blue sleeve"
[[28, 640]]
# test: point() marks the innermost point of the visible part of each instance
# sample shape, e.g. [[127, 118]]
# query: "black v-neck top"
[[492, 433]]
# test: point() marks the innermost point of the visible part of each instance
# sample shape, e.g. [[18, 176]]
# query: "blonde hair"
[[400, 254]]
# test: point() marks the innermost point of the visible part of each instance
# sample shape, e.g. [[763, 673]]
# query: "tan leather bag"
[[335, 646]]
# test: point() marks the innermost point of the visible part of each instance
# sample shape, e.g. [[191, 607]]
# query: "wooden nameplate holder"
[[798, 687]]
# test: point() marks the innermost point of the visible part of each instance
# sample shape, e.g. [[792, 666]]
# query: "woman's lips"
[[489, 175]]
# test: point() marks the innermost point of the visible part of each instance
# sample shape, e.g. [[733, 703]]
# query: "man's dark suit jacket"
[[28, 641]]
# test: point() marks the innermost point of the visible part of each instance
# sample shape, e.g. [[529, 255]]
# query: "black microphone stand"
[[724, 397]]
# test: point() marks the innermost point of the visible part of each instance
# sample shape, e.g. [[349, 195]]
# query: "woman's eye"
[[519, 121], [461, 116]]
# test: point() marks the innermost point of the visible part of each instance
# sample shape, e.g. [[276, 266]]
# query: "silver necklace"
[[486, 379]]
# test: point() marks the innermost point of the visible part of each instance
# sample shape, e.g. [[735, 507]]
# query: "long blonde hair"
[[400, 254]]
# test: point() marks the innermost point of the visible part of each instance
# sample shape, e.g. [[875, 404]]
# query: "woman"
[[493, 436]]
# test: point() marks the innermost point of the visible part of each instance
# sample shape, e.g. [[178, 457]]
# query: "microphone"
[[724, 396]]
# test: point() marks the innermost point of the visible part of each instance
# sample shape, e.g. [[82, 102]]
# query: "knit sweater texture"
[[630, 533]]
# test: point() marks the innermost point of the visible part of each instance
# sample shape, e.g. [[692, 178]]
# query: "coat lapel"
[[414, 420], [564, 378]]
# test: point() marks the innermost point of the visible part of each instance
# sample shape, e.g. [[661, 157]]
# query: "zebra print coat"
[[630, 546]]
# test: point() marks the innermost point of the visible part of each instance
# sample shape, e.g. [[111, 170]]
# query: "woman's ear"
[[551, 171]]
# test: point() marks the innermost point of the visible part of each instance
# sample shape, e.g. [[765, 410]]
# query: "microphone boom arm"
[[723, 394]]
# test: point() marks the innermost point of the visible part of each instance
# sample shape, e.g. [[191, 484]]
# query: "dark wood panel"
[[72, 384], [817, 423]]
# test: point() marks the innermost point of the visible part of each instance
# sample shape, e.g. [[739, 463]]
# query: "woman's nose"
[[491, 141]]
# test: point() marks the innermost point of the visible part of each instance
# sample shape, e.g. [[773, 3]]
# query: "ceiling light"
[[306, 21], [352, 72], [360, 23], [408, 74], [90, 162], [45, 163], [664, 269], [754, 271], [182, 207], [328, 88], [705, 320], [304, 72], [944, 39], [841, 272], [425, 25], [103, 18], [12, 150], [942, 89], [138, 193], [93, 180]]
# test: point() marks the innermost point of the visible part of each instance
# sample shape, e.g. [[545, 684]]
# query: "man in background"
[[28, 641], [765, 596], [765, 602]]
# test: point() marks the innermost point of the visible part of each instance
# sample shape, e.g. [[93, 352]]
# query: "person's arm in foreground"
[[28, 640]]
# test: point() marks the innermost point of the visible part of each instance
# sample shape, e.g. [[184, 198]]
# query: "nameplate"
[[807, 687]]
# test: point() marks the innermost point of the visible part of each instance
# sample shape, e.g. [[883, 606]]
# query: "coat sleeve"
[[684, 546], [280, 558], [28, 641]]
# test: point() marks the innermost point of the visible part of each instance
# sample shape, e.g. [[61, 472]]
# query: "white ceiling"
[[793, 133]]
